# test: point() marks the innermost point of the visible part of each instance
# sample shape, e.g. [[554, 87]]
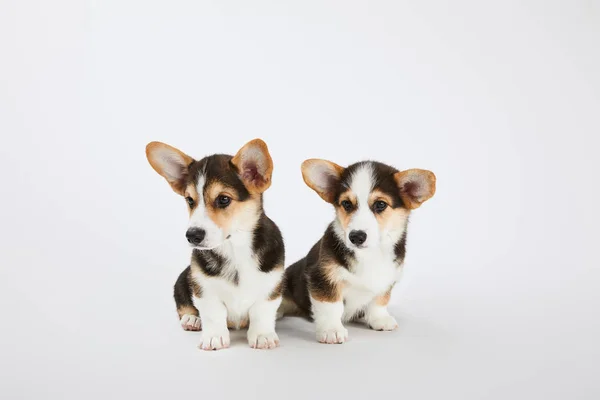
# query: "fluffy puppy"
[[237, 259], [350, 272]]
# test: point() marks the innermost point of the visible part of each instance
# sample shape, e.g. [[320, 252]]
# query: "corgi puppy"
[[236, 269], [348, 275]]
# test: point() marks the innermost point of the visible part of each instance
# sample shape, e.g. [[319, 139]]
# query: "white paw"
[[214, 340], [332, 335], [387, 323], [268, 340], [190, 322]]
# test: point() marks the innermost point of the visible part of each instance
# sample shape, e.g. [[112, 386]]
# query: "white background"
[[500, 99]]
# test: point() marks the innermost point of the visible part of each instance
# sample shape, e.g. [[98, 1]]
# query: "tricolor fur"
[[350, 272], [237, 259]]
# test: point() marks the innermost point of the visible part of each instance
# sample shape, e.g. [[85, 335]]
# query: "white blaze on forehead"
[[200, 190], [200, 218], [199, 215], [361, 184], [363, 219]]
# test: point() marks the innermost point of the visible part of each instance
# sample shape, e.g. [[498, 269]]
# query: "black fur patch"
[[218, 167], [183, 290], [268, 244], [400, 249], [333, 248], [295, 284], [210, 262]]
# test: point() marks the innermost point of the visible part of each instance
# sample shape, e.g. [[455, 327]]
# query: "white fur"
[[373, 273], [213, 313], [378, 318], [363, 219], [261, 332], [247, 300], [328, 320], [190, 322]]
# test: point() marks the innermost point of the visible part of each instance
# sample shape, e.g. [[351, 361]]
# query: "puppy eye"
[[190, 201], [347, 205], [379, 206], [223, 201]]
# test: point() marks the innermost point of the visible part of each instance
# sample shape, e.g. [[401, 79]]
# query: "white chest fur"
[[373, 273], [241, 283]]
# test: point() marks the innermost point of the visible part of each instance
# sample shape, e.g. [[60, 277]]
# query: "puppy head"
[[372, 200], [223, 193]]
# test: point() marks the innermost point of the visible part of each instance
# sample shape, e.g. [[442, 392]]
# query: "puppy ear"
[[323, 177], [170, 163], [254, 165], [416, 186]]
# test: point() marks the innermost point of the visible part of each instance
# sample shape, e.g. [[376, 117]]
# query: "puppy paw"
[[387, 323], [214, 340], [190, 322], [268, 340], [332, 335]]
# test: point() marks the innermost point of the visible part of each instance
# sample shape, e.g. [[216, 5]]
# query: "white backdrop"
[[500, 99]]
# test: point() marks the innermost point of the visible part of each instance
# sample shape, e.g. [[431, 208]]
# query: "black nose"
[[195, 235], [358, 237]]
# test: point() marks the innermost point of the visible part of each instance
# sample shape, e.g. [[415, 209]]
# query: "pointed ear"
[[323, 177], [170, 163], [254, 165], [416, 186]]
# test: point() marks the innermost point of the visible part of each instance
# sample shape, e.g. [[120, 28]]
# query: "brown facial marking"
[[379, 195], [170, 163], [255, 166], [345, 216], [390, 218], [244, 213], [216, 189], [190, 191]]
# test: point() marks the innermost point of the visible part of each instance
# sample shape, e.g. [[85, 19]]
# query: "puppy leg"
[[261, 332], [377, 316], [213, 314], [327, 304], [183, 292], [328, 320]]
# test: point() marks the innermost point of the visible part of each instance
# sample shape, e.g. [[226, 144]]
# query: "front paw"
[[332, 335], [190, 322], [268, 340], [387, 323], [214, 340]]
